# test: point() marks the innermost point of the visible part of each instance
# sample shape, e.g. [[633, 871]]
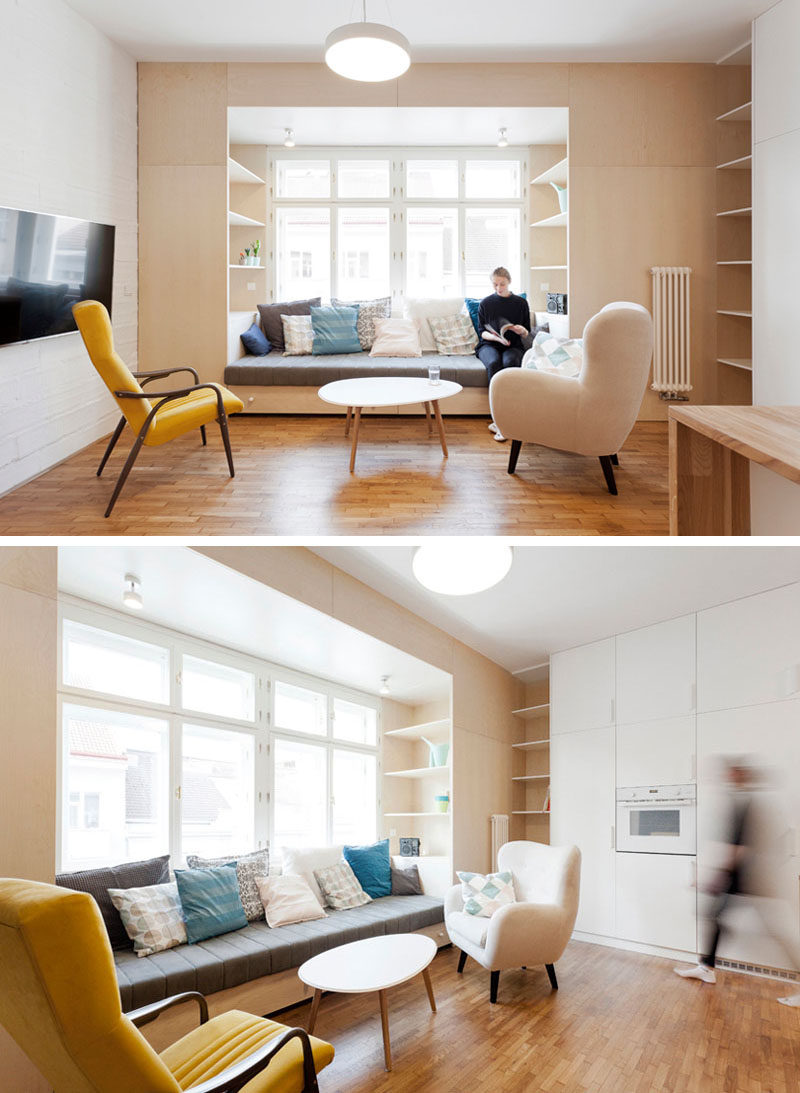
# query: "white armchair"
[[592, 413], [536, 929]]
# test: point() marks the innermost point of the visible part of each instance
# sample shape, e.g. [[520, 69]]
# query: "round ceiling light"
[[463, 569], [369, 52]]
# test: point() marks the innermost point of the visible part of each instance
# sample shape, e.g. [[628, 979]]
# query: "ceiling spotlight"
[[288, 140], [368, 52], [384, 687], [131, 596], [461, 570], [502, 139]]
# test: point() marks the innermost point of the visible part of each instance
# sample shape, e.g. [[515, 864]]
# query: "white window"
[[214, 688], [300, 709], [432, 178], [354, 722], [216, 791], [491, 239], [303, 252], [364, 178], [432, 245], [303, 178], [353, 797], [97, 660], [364, 253], [301, 793]]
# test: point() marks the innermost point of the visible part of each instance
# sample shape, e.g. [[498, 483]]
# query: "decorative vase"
[[562, 196], [437, 756], [442, 802]]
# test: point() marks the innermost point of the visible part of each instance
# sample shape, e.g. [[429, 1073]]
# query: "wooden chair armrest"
[[145, 1014], [159, 373], [170, 396], [234, 1077]]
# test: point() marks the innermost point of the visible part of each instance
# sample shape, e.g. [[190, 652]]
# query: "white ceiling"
[[195, 595], [556, 597], [449, 30], [398, 125]]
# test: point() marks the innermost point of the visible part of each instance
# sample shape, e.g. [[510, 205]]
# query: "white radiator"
[[671, 319], [499, 836]]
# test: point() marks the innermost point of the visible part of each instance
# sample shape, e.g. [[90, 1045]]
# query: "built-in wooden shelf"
[[416, 813], [529, 712], [737, 262], [240, 266], [528, 745], [532, 812], [737, 362], [557, 221], [418, 772], [431, 729], [529, 777], [237, 220], [737, 212], [743, 163], [740, 314], [739, 113], [549, 267], [556, 173], [741, 55], [238, 173], [536, 673]]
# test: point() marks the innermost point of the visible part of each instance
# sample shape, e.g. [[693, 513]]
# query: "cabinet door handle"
[[694, 767], [613, 841]]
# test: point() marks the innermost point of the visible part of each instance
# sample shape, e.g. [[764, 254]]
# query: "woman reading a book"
[[504, 320]]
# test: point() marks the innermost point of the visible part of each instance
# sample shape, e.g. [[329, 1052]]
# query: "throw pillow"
[[562, 356], [406, 882], [372, 867], [396, 338], [152, 917], [271, 318], [96, 882], [485, 895], [472, 306], [210, 901], [288, 899], [334, 330], [298, 335], [454, 334], [302, 862], [254, 341], [421, 311], [248, 867], [340, 887], [368, 312]]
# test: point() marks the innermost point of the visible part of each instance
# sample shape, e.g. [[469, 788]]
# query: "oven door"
[[656, 827]]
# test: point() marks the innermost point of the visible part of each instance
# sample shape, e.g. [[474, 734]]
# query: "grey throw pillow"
[[271, 322], [406, 882], [248, 867]]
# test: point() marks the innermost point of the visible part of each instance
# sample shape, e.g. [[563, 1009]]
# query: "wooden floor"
[[620, 1023], [292, 479]]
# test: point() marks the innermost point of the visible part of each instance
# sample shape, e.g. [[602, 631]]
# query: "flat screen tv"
[[48, 263]]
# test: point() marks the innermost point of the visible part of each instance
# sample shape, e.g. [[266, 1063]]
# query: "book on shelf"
[[546, 805], [497, 333]]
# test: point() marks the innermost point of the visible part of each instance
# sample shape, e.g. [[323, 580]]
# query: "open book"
[[497, 333]]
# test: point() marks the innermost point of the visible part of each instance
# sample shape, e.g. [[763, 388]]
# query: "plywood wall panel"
[[30, 569], [481, 787], [302, 85], [295, 571], [480, 84], [183, 115]]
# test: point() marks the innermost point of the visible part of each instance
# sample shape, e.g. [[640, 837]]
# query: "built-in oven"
[[657, 819]]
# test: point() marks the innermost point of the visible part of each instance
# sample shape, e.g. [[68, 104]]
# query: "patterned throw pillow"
[[562, 356], [454, 334], [248, 867], [334, 330], [340, 887], [152, 917], [298, 335], [368, 312], [485, 895]]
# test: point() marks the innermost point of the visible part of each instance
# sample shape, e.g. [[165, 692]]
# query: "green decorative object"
[[561, 191], [442, 802], [438, 754]]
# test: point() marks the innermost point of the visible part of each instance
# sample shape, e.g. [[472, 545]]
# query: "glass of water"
[[433, 373]]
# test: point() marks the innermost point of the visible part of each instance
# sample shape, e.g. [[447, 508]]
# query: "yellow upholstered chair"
[[59, 1000], [170, 413]]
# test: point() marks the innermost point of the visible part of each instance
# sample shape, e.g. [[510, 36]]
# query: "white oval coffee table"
[[374, 964], [379, 391]]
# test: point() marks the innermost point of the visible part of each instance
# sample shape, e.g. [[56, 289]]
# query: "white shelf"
[[529, 712], [239, 173], [237, 220], [742, 314], [429, 728], [739, 113], [418, 772], [536, 673], [556, 173], [737, 262], [737, 362], [557, 221], [744, 163], [527, 745], [416, 813], [741, 55], [737, 212], [239, 266], [529, 777], [532, 812], [549, 267]]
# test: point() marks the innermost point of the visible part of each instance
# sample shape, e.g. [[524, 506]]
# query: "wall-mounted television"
[[48, 263]]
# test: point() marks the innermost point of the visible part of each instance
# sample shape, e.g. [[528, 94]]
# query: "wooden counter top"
[[769, 435]]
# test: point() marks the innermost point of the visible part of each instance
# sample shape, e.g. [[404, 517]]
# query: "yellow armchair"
[[170, 413], [59, 1000]]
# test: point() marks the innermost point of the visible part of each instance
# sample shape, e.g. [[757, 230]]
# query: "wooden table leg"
[[387, 1050], [312, 1020], [709, 485], [440, 426], [356, 423], [347, 421], [427, 407], [426, 975]]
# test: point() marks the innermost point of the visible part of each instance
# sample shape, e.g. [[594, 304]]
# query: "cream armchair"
[[592, 413], [536, 929]]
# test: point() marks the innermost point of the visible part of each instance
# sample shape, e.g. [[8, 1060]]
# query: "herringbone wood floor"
[[292, 479], [619, 1023]]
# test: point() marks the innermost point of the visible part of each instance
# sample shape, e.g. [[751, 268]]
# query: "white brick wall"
[[68, 145]]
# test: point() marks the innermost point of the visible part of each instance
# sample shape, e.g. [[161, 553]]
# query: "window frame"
[[398, 203]]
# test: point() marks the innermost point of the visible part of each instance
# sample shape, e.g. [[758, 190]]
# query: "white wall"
[[776, 245], [68, 145]]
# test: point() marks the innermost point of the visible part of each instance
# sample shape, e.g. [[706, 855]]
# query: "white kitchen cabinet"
[[582, 687], [657, 753], [656, 902], [656, 671], [582, 813], [748, 651]]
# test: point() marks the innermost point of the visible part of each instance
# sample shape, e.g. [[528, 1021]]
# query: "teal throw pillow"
[[210, 901], [372, 867], [335, 330]]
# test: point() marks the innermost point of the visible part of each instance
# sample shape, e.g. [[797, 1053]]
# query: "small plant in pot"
[[256, 252], [247, 259]]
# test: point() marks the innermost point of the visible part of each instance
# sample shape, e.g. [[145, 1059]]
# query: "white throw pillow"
[[298, 335], [152, 916], [396, 338], [287, 900], [302, 863], [483, 895], [422, 310]]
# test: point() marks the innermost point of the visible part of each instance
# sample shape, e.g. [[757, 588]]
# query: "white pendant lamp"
[[455, 569], [369, 52]]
